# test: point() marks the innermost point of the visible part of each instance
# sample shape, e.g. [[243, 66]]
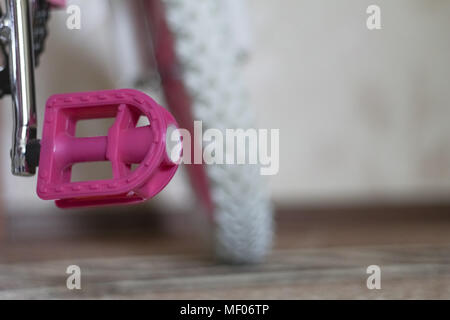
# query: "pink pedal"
[[124, 145]]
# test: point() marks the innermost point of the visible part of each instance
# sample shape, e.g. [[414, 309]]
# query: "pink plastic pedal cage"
[[124, 145]]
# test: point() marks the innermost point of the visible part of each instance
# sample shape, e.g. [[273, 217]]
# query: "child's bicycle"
[[198, 61]]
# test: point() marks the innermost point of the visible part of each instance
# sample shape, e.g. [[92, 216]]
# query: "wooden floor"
[[318, 254]]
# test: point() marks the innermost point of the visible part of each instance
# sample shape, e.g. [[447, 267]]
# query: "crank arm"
[[17, 27]]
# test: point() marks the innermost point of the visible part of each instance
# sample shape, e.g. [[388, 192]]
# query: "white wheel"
[[210, 59]]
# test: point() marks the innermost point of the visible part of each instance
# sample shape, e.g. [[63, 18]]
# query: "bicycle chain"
[[41, 15]]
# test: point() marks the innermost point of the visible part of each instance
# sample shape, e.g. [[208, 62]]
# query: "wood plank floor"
[[317, 255]]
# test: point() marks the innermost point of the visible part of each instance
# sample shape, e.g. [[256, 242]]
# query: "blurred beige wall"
[[363, 115]]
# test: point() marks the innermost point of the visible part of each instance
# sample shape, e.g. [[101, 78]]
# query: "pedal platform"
[[125, 144]]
